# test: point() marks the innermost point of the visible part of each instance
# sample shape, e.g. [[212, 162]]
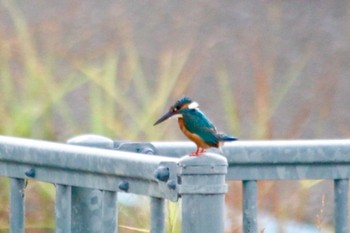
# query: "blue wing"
[[196, 122]]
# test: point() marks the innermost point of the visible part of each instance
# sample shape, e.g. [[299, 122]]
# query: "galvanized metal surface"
[[282, 160], [200, 181], [86, 167], [202, 190], [136, 147], [162, 173], [90, 207], [250, 194], [109, 212], [86, 210], [174, 149], [17, 207], [341, 203], [92, 140], [63, 208], [314, 159], [157, 215], [278, 160]]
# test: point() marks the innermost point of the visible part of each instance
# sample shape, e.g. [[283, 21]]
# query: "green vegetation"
[[34, 103]]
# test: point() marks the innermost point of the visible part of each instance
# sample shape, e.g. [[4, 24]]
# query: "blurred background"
[[260, 70]]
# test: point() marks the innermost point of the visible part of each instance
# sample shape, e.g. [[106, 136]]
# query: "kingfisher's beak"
[[164, 117]]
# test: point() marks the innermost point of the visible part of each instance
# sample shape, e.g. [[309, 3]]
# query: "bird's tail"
[[225, 137]]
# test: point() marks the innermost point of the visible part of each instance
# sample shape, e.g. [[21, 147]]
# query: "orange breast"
[[193, 137]]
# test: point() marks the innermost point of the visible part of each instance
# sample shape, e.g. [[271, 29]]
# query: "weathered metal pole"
[[202, 189], [341, 212], [250, 206], [17, 206], [89, 206], [63, 208], [157, 215]]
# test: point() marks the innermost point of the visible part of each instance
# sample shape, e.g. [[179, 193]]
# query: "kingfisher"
[[195, 125]]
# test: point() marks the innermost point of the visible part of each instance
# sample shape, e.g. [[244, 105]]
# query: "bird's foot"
[[198, 152], [194, 153]]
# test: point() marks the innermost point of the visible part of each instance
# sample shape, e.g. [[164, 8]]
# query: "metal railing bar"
[[249, 206], [110, 212], [79, 158], [341, 212], [278, 160], [17, 206], [296, 152], [90, 180], [270, 152], [288, 172], [157, 215], [74, 168], [175, 149], [85, 166], [63, 208]]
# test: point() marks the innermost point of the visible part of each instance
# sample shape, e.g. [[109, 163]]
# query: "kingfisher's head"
[[178, 108]]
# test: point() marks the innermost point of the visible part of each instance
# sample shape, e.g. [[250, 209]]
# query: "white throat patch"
[[193, 105]]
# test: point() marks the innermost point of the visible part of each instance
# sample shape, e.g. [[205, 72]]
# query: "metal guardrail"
[[88, 180], [251, 161]]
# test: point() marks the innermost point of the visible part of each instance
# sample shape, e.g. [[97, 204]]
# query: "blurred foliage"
[[32, 99], [49, 92]]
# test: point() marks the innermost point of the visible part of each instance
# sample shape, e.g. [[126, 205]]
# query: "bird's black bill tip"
[[156, 123], [163, 118]]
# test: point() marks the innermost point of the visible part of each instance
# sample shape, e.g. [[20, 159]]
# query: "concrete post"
[[202, 188]]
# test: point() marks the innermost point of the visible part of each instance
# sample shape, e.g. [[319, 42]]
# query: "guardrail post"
[[157, 204], [17, 206], [157, 215], [63, 208], [202, 188], [341, 212], [89, 205], [250, 206]]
